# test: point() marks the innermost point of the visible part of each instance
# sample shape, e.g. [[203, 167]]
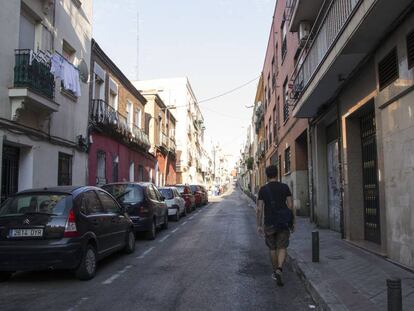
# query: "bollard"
[[315, 246], [394, 294]]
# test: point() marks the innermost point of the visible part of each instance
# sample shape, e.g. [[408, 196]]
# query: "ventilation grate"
[[388, 69], [410, 49]]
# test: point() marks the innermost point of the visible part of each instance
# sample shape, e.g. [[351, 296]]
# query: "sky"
[[218, 44]]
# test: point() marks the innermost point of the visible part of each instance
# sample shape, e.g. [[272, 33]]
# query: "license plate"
[[23, 233]]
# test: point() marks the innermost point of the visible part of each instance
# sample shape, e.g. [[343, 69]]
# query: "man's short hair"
[[271, 171]]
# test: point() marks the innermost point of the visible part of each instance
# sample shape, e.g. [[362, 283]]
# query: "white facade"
[[179, 97], [42, 127]]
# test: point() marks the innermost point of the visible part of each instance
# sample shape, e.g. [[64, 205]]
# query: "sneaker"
[[278, 277], [274, 276]]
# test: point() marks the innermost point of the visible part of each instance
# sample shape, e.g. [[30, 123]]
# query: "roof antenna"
[[137, 60]]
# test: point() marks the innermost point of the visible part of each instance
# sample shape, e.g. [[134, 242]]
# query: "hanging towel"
[[56, 68]]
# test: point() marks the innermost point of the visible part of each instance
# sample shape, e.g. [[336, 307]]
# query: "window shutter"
[[410, 49], [388, 69]]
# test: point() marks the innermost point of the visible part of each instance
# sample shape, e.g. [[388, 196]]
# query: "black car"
[[145, 204], [62, 228]]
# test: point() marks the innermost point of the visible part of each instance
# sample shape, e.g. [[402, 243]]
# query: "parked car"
[[198, 194], [205, 195], [62, 228], [175, 203], [188, 196], [145, 204]]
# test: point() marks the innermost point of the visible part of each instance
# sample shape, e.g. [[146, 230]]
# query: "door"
[[334, 188], [91, 207], [370, 178], [116, 230], [10, 172]]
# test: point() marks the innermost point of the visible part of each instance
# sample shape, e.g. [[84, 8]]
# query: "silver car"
[[174, 201]]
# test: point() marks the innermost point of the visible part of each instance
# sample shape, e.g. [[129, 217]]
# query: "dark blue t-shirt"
[[278, 193]]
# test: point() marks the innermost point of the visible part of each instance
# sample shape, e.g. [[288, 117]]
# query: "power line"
[[229, 92]]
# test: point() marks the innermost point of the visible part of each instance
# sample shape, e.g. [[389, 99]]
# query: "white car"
[[174, 201]]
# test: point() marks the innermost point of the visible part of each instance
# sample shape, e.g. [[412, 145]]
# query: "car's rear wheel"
[[87, 267], [4, 276], [165, 224], [130, 242], [150, 235]]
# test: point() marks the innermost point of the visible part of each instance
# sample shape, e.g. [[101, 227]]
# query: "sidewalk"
[[347, 277]]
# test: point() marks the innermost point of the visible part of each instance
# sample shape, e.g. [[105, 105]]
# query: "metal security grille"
[[388, 69], [410, 49], [10, 172], [64, 170], [370, 178]]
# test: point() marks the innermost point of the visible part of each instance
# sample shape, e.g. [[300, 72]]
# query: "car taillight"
[[70, 228]]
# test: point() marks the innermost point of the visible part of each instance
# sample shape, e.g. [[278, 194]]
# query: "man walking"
[[275, 215]]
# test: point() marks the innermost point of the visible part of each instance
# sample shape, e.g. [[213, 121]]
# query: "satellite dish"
[[83, 71]]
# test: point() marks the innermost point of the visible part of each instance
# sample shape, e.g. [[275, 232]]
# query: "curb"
[[310, 286]]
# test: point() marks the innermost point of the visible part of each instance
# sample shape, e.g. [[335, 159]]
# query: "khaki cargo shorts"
[[278, 239]]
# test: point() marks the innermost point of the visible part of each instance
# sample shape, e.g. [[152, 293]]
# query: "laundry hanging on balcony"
[[66, 72]]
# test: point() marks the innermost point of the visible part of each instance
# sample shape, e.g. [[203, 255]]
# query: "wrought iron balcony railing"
[[33, 73], [103, 113], [323, 35]]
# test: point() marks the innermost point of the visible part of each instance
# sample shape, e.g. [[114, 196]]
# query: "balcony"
[[172, 145], [33, 84], [106, 119], [336, 45], [164, 141]]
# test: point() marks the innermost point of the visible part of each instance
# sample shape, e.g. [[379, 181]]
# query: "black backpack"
[[283, 215]]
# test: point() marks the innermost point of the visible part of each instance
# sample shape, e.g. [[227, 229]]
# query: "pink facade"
[[123, 155]]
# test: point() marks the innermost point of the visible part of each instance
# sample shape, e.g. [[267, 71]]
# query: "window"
[[284, 40], [89, 203], [265, 99], [285, 102], [388, 69], [115, 165], [132, 172], [268, 88], [274, 123], [68, 51], [270, 132], [279, 167], [138, 115], [140, 173], [287, 160], [108, 204], [410, 50], [101, 168], [64, 169], [99, 89], [129, 115], [151, 193], [267, 137], [27, 31]]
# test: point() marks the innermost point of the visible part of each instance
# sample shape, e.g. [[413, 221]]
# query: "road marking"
[[175, 230], [191, 217], [184, 223], [145, 253], [116, 275], [76, 306], [164, 238]]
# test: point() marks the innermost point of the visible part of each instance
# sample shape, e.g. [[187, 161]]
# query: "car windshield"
[[167, 193], [180, 189], [35, 203], [126, 193], [194, 188]]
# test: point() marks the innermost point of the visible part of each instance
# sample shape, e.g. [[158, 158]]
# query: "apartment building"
[[118, 140], [45, 55], [259, 165], [179, 97], [161, 128], [286, 143], [354, 81]]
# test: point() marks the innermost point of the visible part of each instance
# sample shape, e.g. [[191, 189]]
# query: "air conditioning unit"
[[304, 30]]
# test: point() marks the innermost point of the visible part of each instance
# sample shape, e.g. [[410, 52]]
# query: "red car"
[[198, 194], [187, 195]]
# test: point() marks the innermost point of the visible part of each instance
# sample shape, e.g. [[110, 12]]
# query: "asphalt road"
[[211, 260]]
